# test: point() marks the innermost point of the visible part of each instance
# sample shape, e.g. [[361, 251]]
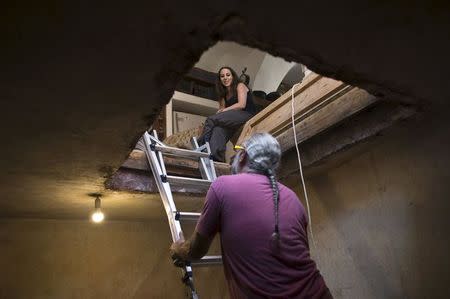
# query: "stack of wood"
[[319, 103]]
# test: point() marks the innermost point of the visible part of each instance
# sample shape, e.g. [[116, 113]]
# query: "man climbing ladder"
[[262, 227]]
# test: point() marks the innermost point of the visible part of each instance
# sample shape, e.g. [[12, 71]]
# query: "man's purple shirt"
[[241, 208]]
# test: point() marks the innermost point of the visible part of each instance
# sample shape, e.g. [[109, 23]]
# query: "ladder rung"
[[184, 181], [187, 216], [208, 260], [181, 152]]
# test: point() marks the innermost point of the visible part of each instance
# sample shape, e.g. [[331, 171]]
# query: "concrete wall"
[[77, 259], [380, 217]]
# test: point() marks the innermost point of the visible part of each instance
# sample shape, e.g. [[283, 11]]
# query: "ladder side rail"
[[158, 168], [212, 167], [204, 167], [154, 144], [160, 158], [200, 148], [164, 190], [155, 139]]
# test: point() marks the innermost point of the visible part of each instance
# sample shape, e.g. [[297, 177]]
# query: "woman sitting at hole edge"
[[236, 107]]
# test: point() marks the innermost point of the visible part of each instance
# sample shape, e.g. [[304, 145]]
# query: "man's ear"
[[243, 158]]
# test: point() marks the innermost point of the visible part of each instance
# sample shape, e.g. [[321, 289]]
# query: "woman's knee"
[[209, 121]]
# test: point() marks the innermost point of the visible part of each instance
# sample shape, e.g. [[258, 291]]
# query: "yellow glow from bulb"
[[98, 216]]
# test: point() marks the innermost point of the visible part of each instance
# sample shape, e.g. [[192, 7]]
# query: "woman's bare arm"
[[221, 105]]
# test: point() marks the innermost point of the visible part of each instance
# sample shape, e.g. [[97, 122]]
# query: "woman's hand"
[[220, 110]]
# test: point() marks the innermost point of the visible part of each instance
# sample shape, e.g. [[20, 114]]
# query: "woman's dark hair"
[[264, 154], [221, 90]]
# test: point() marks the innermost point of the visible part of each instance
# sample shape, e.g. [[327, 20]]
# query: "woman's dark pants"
[[219, 128]]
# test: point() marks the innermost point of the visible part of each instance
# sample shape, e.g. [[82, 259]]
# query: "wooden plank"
[[184, 102], [255, 120], [285, 98], [328, 115], [311, 97], [169, 119], [311, 109], [275, 117]]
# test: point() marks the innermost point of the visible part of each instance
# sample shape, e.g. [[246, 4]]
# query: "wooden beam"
[[168, 110], [184, 102], [312, 92], [131, 180], [319, 104], [284, 99], [325, 116]]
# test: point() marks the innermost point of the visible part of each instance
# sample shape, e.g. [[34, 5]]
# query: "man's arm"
[[207, 227], [194, 248]]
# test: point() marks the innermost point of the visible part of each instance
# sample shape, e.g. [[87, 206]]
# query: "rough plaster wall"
[[78, 259], [381, 217], [233, 55], [271, 73], [294, 75], [265, 70]]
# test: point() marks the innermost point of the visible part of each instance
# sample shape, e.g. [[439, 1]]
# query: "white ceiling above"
[[265, 70]]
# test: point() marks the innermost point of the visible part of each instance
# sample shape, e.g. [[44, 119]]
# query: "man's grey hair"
[[263, 153], [263, 157]]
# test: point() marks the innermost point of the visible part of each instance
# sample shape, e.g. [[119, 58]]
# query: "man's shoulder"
[[225, 179], [287, 191], [221, 184], [231, 179]]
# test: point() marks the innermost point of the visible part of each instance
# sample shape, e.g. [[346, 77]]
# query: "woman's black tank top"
[[249, 106]]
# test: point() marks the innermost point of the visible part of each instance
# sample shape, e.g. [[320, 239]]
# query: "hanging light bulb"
[[98, 215]]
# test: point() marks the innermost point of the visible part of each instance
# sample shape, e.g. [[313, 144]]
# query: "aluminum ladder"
[[155, 150]]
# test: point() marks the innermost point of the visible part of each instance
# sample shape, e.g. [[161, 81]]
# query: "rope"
[[300, 165]]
